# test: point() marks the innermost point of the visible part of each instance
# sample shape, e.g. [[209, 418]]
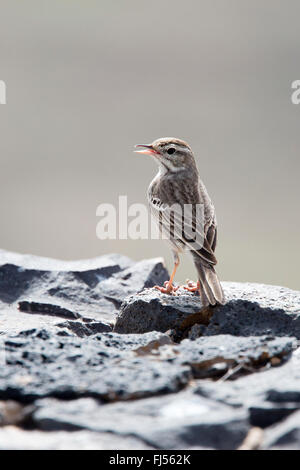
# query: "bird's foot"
[[168, 288], [192, 286]]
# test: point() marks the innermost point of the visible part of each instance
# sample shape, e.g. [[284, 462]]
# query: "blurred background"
[[86, 80]]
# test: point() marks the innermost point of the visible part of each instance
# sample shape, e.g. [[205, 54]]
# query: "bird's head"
[[173, 155]]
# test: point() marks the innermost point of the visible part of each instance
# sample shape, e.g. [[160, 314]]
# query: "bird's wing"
[[198, 238], [188, 216]]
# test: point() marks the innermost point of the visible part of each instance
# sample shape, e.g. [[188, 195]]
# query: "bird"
[[178, 186]]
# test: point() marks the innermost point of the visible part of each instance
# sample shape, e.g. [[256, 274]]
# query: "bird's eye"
[[171, 150]]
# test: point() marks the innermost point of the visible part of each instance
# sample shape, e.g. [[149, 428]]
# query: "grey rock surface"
[[215, 355], [13, 438], [178, 421], [257, 309], [70, 290], [151, 310], [269, 395], [39, 363], [170, 375], [251, 310]]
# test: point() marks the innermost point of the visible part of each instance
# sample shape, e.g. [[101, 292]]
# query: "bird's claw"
[[168, 288], [192, 286]]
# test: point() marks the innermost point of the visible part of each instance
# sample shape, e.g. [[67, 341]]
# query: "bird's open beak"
[[147, 149]]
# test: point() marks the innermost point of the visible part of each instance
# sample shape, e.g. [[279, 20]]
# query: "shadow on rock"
[[251, 310], [244, 318]]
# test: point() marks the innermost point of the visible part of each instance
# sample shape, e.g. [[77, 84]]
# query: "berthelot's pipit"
[[177, 186]]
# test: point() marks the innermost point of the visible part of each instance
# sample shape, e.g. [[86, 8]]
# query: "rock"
[[215, 355], [196, 331], [179, 421], [74, 289], [47, 309], [13, 438], [269, 396], [151, 310], [14, 322], [171, 375], [139, 276], [251, 310], [112, 366], [255, 310], [284, 435], [85, 329], [106, 366]]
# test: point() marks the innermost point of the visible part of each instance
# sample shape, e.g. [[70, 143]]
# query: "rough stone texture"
[[85, 329], [251, 310], [40, 364], [213, 356], [151, 310], [111, 366], [68, 381], [257, 309]]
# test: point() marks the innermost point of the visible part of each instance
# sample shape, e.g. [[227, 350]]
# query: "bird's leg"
[[168, 285], [192, 286]]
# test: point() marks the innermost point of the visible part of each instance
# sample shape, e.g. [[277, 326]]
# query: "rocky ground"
[[92, 357]]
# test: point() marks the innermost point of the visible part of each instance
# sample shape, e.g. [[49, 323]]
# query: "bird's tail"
[[210, 289]]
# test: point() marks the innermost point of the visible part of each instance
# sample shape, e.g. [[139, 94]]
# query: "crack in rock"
[[214, 356]]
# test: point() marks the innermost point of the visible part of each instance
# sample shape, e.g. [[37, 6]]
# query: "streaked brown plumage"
[[177, 186]]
